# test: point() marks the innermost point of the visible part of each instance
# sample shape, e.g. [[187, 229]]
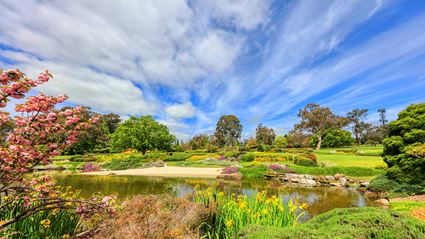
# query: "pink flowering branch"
[[38, 135]]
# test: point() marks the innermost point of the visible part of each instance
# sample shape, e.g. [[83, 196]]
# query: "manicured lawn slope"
[[347, 223]]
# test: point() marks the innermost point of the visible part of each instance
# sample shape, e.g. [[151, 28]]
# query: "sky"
[[188, 62]]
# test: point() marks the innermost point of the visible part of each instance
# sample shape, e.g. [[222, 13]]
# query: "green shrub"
[[382, 184], [404, 149], [346, 223], [308, 160], [76, 158], [177, 157], [248, 157], [123, 164]]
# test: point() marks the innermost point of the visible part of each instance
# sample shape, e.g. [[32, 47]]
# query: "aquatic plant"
[[233, 212]]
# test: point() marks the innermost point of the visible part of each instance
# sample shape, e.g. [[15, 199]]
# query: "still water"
[[320, 199]]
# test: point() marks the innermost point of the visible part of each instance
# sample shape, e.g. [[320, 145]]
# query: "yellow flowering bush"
[[202, 157]]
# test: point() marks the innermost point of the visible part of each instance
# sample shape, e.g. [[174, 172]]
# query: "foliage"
[[358, 125], [237, 211], [334, 138], [202, 157], [346, 223], [304, 161], [142, 134], [316, 120], [51, 223], [297, 139], [90, 167], [228, 131], [229, 170], [156, 216], [40, 132], [120, 164], [394, 189], [280, 142], [96, 137], [403, 149], [264, 135], [248, 157], [199, 141], [253, 172]]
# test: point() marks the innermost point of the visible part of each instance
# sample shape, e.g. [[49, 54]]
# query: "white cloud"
[[179, 111]]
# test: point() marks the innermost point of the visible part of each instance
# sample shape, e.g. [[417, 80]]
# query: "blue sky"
[[189, 62]]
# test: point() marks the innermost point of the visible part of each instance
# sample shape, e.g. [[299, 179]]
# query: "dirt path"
[[167, 171], [416, 198]]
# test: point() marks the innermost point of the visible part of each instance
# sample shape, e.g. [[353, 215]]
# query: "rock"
[[364, 184], [330, 178], [158, 163], [383, 201], [373, 195], [342, 181], [335, 184], [338, 176]]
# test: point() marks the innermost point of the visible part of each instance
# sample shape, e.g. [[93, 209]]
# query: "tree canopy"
[[142, 134], [316, 119], [404, 149], [228, 131], [264, 135]]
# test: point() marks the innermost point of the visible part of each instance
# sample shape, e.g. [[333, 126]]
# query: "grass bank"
[[346, 223]]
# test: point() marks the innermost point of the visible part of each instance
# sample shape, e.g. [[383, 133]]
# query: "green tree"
[[264, 135], [199, 141], [405, 146], [358, 125], [142, 134], [335, 138], [316, 120], [228, 131], [280, 142], [96, 137], [297, 138]]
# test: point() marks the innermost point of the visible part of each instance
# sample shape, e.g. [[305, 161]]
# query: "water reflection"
[[320, 199]]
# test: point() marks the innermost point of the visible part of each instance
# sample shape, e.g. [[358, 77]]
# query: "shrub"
[[229, 170], [248, 157], [202, 157], [155, 216], [122, 164], [405, 146], [76, 158], [280, 168], [280, 142], [304, 161], [177, 157], [231, 154], [346, 223], [382, 184], [89, 167]]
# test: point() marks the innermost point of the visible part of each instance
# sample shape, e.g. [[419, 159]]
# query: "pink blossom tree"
[[40, 132]]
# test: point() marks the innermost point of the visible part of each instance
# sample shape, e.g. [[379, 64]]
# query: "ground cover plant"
[[346, 223]]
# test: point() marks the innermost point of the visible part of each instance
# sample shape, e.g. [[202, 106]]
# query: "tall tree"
[[316, 120], [264, 135], [228, 131], [383, 117], [358, 126], [199, 141], [142, 134], [297, 138]]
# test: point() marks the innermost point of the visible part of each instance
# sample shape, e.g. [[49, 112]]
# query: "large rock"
[[338, 176], [158, 163], [383, 202], [342, 181], [330, 178], [364, 184]]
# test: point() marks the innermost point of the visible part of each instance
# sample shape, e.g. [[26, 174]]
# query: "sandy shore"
[[166, 171]]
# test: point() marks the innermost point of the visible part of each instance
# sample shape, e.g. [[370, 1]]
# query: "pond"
[[320, 199]]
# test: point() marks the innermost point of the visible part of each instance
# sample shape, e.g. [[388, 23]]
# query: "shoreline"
[[166, 171]]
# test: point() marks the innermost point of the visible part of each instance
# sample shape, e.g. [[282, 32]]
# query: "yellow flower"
[[55, 211], [304, 206], [257, 214], [2, 222], [281, 208], [68, 204], [265, 211], [66, 236], [242, 204], [220, 194], [45, 223], [229, 223]]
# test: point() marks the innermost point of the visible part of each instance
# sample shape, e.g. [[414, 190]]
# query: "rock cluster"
[[338, 180]]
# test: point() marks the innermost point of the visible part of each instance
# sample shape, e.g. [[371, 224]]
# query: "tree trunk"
[[319, 142]]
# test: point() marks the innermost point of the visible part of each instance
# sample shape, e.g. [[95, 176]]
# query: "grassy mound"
[[346, 223]]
